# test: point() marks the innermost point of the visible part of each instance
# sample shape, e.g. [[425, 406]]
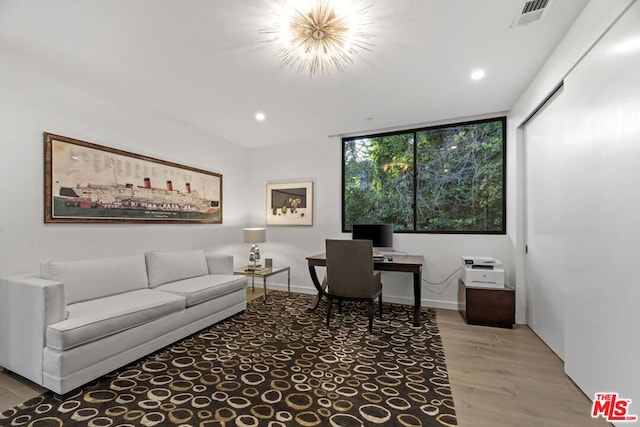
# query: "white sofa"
[[78, 320]]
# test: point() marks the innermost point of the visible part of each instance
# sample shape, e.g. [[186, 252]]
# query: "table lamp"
[[255, 236]]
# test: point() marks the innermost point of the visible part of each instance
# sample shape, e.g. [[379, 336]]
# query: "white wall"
[[602, 150], [598, 144], [33, 100], [594, 20], [321, 162], [37, 96]]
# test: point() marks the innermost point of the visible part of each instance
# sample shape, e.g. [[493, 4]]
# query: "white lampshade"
[[255, 235]]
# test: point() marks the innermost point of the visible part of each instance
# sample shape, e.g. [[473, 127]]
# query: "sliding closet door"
[[583, 216], [545, 221], [602, 147]]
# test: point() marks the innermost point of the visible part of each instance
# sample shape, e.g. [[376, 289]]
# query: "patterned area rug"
[[276, 364]]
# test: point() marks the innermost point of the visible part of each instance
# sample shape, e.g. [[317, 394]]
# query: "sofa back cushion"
[[169, 266], [95, 278], [219, 264]]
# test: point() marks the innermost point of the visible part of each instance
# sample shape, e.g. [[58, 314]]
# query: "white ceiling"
[[206, 64]]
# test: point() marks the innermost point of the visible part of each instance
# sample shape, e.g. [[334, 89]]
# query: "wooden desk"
[[402, 263]]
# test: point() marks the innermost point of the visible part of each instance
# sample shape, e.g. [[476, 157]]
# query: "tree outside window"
[[444, 179]]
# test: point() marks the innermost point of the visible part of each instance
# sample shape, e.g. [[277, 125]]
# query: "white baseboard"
[[447, 305], [283, 287]]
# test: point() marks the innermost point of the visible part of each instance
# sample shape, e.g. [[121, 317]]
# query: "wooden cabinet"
[[486, 306]]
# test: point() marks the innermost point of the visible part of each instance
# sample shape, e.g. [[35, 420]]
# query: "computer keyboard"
[[391, 253]]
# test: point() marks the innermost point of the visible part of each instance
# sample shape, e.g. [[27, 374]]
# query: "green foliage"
[[378, 176], [457, 175]]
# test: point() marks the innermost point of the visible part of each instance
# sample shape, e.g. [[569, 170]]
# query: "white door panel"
[[544, 199]]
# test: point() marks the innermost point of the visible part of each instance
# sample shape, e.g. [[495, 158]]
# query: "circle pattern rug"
[[276, 364]]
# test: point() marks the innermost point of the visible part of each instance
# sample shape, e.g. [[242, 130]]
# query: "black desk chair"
[[350, 274]]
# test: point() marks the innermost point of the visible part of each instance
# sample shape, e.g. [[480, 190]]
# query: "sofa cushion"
[[204, 288], [95, 278], [169, 266], [219, 264], [95, 319]]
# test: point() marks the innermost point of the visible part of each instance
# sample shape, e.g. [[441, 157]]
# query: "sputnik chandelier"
[[319, 36]]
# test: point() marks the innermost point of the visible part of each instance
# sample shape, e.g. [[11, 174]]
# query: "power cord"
[[444, 281]]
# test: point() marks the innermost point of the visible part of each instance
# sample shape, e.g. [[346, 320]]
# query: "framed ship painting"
[[290, 203], [86, 182]]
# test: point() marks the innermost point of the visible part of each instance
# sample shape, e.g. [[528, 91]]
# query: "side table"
[[264, 273], [488, 306]]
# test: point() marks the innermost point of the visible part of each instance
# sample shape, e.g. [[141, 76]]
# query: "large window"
[[442, 179]]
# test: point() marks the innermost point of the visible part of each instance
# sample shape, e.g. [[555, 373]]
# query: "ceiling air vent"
[[531, 11]]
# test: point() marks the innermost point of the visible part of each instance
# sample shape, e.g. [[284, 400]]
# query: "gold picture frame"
[[290, 203], [91, 183]]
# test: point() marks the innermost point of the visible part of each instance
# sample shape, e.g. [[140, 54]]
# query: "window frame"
[[415, 131]]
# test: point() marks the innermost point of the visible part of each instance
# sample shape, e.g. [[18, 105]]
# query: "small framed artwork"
[[290, 203]]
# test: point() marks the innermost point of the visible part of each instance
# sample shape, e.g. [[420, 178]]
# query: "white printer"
[[482, 272]]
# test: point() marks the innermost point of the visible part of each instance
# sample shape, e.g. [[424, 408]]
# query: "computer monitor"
[[381, 235]]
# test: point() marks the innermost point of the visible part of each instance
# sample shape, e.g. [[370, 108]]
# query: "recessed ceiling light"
[[260, 117], [477, 74]]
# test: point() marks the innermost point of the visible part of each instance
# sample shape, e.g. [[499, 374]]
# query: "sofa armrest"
[[219, 264], [28, 304]]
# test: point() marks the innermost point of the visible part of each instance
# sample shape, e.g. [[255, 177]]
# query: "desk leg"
[[289, 281], [417, 288], [316, 283]]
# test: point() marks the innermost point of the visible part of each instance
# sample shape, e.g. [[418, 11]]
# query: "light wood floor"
[[508, 377], [499, 377]]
